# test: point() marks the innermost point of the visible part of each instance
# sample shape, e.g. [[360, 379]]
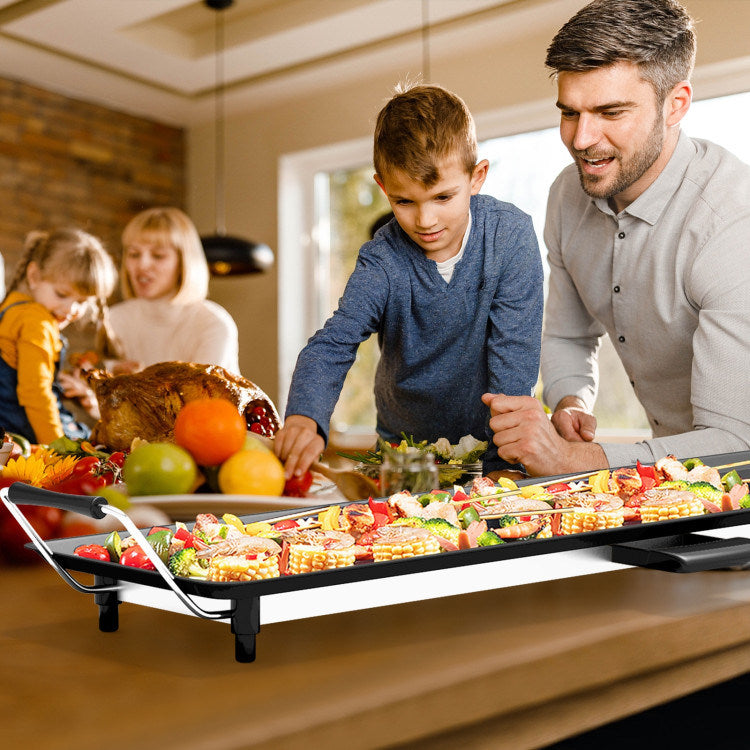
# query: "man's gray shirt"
[[668, 279]]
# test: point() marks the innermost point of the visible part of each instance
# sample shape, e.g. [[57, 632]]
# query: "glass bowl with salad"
[[457, 464]]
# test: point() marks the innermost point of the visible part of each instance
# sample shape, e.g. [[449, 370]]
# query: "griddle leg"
[[108, 603], [245, 626]]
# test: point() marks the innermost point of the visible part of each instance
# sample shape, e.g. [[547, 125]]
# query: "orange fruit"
[[210, 429], [252, 472]]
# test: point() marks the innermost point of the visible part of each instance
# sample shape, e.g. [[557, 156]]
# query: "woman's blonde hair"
[[168, 226], [77, 258]]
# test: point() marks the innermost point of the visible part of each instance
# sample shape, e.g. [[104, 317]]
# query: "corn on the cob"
[[242, 568], [308, 558], [577, 521], [670, 504], [398, 542]]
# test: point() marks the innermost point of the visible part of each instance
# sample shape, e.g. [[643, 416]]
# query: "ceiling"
[[156, 58]]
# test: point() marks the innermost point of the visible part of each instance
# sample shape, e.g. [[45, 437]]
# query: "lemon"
[[252, 472]]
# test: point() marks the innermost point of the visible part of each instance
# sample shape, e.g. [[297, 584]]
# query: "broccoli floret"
[[707, 490], [506, 521], [674, 484], [489, 539], [442, 528], [745, 501], [185, 563]]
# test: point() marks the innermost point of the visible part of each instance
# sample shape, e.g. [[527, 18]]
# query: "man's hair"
[[657, 35], [420, 126]]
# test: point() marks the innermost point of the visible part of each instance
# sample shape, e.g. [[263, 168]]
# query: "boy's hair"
[[421, 125], [171, 227], [657, 35]]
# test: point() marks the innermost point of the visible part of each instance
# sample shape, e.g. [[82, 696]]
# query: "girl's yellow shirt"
[[30, 343]]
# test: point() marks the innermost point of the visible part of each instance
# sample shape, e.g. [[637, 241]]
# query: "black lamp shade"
[[232, 256]]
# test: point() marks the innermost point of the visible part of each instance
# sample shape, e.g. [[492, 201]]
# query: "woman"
[[164, 315]]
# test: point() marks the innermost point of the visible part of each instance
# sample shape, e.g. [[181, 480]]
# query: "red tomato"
[[288, 524], [298, 486], [92, 551], [135, 557], [185, 536], [559, 487], [85, 466], [80, 485], [117, 458]]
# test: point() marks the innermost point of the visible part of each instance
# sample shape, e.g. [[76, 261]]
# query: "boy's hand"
[[298, 444]]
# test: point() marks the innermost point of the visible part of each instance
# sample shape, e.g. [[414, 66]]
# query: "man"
[[647, 237]]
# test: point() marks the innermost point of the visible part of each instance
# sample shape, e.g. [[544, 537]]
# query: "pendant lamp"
[[228, 255]]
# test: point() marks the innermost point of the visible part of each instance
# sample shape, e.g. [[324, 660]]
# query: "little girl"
[[164, 284], [59, 273]]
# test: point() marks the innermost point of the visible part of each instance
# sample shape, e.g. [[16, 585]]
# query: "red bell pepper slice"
[[460, 497], [559, 487], [379, 506], [645, 471]]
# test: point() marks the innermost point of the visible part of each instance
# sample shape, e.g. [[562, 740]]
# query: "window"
[[327, 225]]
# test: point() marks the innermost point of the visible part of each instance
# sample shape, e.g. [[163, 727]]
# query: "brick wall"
[[69, 162]]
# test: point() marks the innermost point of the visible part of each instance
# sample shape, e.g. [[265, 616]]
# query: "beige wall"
[[488, 75]]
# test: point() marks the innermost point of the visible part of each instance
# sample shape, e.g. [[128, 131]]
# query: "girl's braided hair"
[[78, 258]]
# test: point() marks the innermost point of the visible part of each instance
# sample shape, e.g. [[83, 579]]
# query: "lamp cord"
[[426, 41], [219, 126]]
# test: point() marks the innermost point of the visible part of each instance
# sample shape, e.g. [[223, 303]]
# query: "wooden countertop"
[[512, 668]]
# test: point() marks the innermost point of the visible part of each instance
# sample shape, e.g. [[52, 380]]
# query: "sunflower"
[[42, 468], [58, 469], [29, 469]]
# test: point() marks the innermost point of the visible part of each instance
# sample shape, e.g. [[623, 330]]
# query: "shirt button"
[[616, 289], [621, 235], [621, 339]]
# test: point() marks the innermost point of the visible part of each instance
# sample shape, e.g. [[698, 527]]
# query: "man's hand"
[[298, 444], [572, 421], [525, 435]]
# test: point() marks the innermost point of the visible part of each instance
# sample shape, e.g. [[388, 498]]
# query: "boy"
[[452, 286]]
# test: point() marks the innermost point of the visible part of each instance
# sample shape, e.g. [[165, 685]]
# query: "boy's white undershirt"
[[445, 268]]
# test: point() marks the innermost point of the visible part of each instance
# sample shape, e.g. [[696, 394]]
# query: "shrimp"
[[519, 530]]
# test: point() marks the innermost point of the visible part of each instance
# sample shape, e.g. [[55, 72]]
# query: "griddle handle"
[[689, 553], [21, 493]]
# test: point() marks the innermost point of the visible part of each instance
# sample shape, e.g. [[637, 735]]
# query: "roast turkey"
[[144, 404]]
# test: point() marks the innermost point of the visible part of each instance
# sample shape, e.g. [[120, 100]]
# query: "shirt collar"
[[651, 203]]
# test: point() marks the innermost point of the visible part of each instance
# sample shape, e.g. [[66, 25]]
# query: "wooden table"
[[512, 668]]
